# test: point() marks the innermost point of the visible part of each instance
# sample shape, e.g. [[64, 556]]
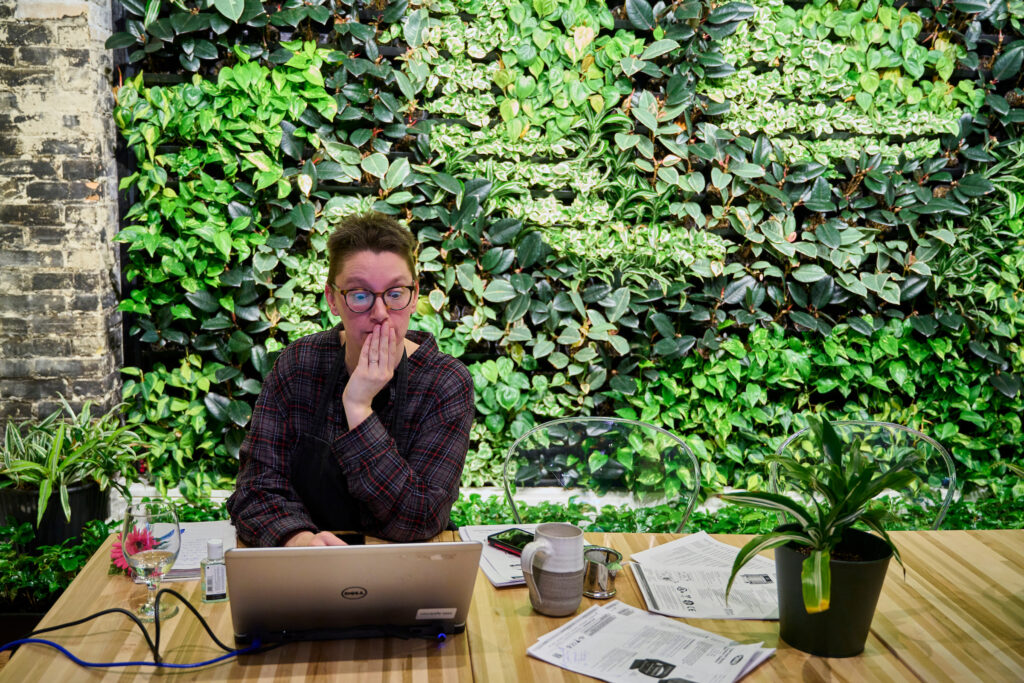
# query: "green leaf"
[[971, 6], [239, 412], [864, 100], [406, 86], [232, 9], [730, 12], [769, 501], [869, 80], [530, 248], [640, 14], [120, 40], [415, 25], [745, 170], [375, 164], [975, 185], [1008, 384], [809, 273], [396, 175], [619, 304], [448, 183], [756, 545], [619, 343], [820, 198], [629, 65], [816, 581], [499, 290], [222, 240], [658, 48], [1008, 65]]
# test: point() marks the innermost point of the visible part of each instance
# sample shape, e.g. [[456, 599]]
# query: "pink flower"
[[138, 540]]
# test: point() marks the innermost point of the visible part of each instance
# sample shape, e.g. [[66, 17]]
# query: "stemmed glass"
[[151, 541]]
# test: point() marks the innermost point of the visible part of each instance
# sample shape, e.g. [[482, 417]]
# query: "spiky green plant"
[[840, 486], [66, 448]]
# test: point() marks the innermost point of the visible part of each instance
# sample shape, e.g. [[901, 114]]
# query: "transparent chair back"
[[886, 443], [598, 462]]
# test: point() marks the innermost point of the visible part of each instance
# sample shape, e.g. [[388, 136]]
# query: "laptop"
[[355, 591]]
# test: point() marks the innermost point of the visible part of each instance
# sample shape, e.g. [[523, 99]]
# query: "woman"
[[363, 427]]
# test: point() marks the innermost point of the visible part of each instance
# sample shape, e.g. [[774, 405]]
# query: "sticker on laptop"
[[436, 613]]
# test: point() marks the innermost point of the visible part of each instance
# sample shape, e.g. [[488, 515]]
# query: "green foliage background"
[[713, 217]]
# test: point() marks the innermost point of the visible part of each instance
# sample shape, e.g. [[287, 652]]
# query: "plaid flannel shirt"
[[404, 496]]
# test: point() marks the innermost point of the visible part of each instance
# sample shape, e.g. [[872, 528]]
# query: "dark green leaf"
[[530, 249], [1008, 384], [926, 325], [503, 230], [734, 11], [120, 40], [640, 14], [218, 406], [975, 185], [1008, 64], [232, 9]]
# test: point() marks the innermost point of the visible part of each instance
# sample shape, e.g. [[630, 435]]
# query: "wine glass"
[[151, 541]]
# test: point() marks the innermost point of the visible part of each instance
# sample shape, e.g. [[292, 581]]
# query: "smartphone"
[[511, 540]]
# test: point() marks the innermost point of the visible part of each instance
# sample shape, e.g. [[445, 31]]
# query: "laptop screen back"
[[312, 593]]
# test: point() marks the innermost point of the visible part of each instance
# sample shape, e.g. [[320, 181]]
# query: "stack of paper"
[[501, 567], [619, 643], [687, 578], [194, 536]]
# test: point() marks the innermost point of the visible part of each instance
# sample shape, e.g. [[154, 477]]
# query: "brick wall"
[[60, 332]]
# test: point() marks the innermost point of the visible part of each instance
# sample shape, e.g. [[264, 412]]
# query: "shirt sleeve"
[[411, 497], [265, 508]]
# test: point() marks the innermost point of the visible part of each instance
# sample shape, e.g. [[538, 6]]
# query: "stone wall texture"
[[60, 331]]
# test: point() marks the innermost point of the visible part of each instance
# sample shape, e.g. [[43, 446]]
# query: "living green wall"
[[715, 218]]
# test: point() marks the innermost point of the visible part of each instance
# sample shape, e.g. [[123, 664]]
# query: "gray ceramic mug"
[[553, 568]]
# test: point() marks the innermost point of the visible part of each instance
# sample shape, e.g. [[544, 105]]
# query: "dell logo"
[[353, 593]]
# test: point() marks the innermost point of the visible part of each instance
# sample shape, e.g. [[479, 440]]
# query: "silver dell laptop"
[[355, 591]]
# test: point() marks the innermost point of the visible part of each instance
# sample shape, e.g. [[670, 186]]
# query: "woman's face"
[[375, 272]]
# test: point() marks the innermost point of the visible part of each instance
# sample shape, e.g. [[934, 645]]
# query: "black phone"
[[511, 540]]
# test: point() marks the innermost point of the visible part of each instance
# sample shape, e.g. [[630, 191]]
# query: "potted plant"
[[829, 573], [56, 472]]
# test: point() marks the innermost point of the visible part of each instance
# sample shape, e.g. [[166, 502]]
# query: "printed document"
[[620, 643], [687, 578]]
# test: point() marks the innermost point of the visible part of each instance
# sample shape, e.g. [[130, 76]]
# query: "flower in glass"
[[138, 540]]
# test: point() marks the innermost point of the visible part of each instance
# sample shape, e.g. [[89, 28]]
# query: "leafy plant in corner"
[[52, 454], [841, 486]]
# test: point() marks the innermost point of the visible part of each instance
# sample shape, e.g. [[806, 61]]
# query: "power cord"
[[153, 643]]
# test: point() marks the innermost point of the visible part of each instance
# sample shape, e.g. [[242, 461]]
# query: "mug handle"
[[530, 550]]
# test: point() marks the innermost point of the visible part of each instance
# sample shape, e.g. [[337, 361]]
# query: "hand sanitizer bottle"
[[214, 573]]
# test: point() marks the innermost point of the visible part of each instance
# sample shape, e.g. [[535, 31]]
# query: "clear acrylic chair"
[[601, 461], [885, 442]]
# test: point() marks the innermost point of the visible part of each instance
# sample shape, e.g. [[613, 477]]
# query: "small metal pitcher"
[[601, 566]]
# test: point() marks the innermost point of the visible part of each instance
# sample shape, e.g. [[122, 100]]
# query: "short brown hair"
[[374, 232]]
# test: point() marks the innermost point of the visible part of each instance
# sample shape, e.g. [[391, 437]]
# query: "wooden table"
[[957, 616]]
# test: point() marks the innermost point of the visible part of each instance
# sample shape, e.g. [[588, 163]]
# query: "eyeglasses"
[[362, 300]]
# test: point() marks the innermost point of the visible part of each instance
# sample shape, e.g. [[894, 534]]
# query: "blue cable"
[[82, 662], [153, 646]]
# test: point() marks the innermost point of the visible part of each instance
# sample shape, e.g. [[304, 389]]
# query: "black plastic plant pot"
[[842, 629], [87, 502]]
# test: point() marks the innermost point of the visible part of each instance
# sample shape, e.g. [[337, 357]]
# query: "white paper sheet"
[[687, 578], [619, 643], [699, 550]]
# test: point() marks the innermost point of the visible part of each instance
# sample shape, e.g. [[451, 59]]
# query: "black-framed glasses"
[[362, 300]]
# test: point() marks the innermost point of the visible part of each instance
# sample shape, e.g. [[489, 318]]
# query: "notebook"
[[355, 591]]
